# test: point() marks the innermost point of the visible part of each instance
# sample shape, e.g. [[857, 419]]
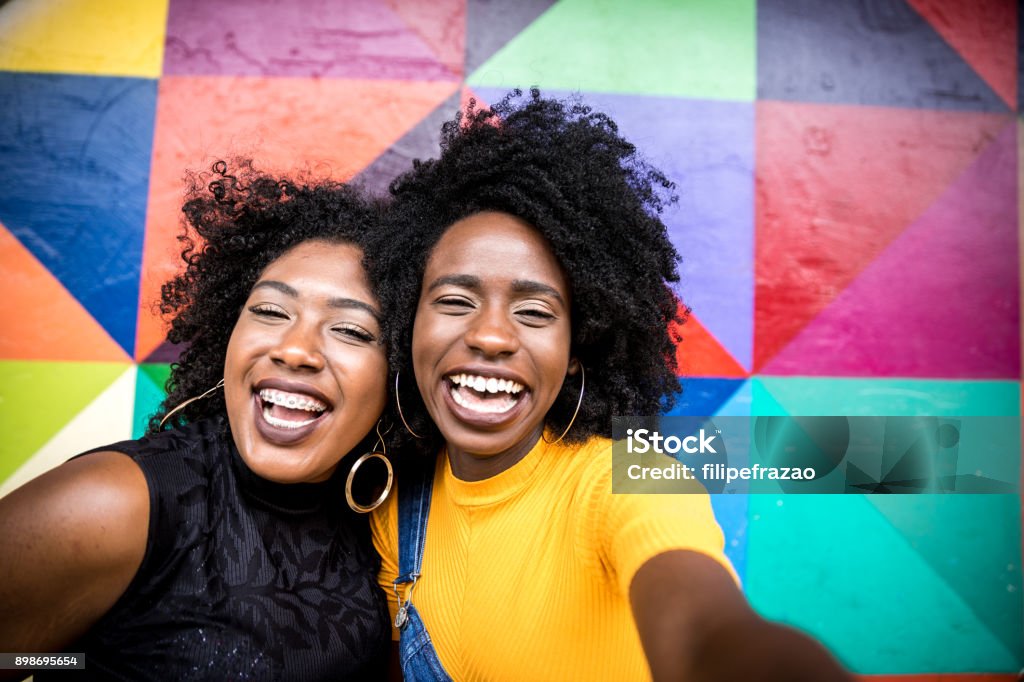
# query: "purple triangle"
[[941, 300], [166, 352], [352, 39], [707, 149]]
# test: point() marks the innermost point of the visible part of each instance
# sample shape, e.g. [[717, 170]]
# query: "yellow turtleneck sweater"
[[526, 575]]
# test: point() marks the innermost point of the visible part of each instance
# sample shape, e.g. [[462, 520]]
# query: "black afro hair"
[[564, 169], [236, 223]]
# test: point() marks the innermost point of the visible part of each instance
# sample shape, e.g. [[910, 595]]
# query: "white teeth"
[[294, 401], [283, 423], [486, 384], [489, 407]]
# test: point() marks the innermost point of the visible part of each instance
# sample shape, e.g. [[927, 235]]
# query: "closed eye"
[[535, 316], [458, 304], [354, 332], [539, 314], [264, 310]]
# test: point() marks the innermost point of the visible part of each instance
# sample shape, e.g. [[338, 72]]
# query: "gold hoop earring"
[[373, 454], [583, 384], [185, 404], [399, 405]]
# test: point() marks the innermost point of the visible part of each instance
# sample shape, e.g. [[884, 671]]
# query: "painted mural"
[[848, 176]]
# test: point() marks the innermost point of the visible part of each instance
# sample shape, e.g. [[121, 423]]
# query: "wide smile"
[[286, 415], [484, 399]]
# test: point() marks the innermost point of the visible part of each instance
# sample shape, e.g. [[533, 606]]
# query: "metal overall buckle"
[[402, 617]]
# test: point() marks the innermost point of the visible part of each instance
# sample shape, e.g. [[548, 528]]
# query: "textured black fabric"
[[243, 579]]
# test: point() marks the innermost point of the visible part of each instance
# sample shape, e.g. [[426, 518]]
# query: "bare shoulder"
[[72, 540]]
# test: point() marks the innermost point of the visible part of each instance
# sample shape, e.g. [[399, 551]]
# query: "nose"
[[299, 349], [492, 333]]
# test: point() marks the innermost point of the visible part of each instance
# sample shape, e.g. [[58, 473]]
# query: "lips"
[[485, 398], [288, 411]]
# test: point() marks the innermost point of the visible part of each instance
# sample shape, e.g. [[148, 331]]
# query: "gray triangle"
[[490, 24], [422, 141], [880, 52]]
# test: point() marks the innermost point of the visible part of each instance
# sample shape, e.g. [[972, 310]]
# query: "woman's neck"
[[469, 466]]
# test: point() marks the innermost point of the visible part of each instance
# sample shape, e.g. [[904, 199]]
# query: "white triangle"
[[107, 419]]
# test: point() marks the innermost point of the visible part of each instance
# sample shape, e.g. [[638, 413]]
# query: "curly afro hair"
[[236, 224], [565, 170]]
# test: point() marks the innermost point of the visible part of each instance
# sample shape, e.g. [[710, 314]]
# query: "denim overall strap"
[[416, 652]]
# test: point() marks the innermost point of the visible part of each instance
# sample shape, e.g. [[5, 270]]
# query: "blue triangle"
[[731, 514], [703, 397], [77, 154], [872, 53]]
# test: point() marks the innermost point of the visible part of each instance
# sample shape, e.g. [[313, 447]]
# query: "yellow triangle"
[[107, 419], [99, 37]]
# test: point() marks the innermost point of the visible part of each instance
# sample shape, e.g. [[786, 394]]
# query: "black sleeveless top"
[[242, 579]]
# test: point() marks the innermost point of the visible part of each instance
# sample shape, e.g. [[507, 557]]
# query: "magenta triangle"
[[941, 300]]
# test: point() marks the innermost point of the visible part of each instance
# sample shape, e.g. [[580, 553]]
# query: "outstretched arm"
[[695, 624], [70, 543]]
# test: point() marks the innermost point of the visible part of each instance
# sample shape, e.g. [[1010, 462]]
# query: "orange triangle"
[[466, 95], [40, 319], [984, 32], [326, 127], [700, 354]]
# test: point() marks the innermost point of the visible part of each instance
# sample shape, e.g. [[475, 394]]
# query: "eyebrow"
[[519, 286], [334, 302]]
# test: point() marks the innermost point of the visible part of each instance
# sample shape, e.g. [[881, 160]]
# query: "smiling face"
[[304, 376], [491, 340]]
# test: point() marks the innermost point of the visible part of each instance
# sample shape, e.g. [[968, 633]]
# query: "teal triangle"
[[833, 567], [888, 397], [973, 543], [762, 402], [149, 393]]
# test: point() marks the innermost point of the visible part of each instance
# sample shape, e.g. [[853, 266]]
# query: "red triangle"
[[699, 354], [835, 185], [326, 127], [941, 301], [984, 32], [442, 26], [40, 319]]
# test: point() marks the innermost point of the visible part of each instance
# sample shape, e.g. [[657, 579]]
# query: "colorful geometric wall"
[[848, 175]]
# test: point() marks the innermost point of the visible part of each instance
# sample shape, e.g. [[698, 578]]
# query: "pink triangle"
[[941, 300]]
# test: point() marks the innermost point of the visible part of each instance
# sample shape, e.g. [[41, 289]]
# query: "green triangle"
[[973, 543], [702, 49], [892, 397], [38, 398], [833, 567], [149, 393]]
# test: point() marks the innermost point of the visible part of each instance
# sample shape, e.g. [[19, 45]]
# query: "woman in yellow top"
[[530, 265]]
